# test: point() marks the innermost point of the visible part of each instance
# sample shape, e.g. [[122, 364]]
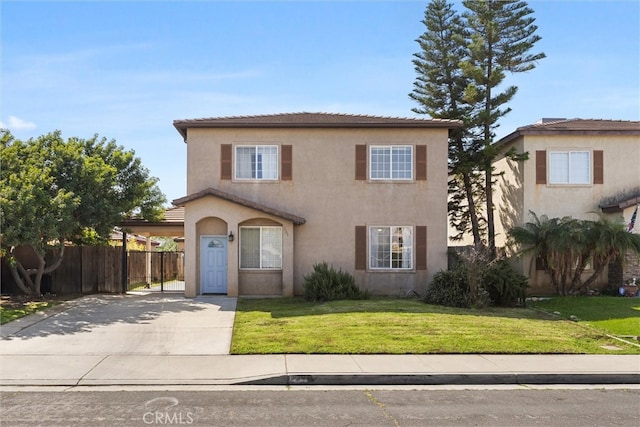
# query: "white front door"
[[213, 264]]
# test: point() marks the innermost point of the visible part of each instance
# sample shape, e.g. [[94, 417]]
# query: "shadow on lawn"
[[593, 308], [297, 306]]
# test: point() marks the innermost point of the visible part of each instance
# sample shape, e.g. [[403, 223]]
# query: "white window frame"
[[407, 250], [569, 165], [271, 177], [262, 248], [391, 149]]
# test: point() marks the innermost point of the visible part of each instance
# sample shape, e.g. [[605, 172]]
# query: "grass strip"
[[16, 311]]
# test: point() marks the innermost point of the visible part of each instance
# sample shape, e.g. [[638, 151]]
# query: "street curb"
[[446, 379]]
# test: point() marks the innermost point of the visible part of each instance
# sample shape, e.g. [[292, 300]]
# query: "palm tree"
[[551, 241], [608, 240], [565, 246]]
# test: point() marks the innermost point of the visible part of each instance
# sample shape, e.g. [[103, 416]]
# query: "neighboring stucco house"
[[269, 196], [574, 167]]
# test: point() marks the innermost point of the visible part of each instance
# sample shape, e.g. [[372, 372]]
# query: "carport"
[[171, 226]]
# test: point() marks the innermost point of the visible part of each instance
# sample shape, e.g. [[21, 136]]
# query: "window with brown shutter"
[[598, 167], [287, 166], [361, 162], [421, 162], [421, 247], [361, 247], [541, 167], [225, 161]]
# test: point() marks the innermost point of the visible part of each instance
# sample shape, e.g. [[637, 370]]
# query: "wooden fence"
[[87, 270], [98, 269]]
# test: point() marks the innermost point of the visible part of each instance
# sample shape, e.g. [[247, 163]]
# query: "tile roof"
[[172, 216], [576, 127], [313, 120], [297, 220], [621, 201]]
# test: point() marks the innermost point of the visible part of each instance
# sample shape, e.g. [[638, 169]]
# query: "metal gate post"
[[125, 267], [161, 271]]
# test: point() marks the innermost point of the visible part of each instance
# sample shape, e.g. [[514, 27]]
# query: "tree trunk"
[[23, 276], [17, 278]]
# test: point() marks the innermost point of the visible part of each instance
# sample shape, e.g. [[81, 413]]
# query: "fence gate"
[[155, 271]]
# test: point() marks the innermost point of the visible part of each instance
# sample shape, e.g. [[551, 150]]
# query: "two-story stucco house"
[[574, 165], [270, 196]]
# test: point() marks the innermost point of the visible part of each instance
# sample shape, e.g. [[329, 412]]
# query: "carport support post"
[[162, 271], [124, 262]]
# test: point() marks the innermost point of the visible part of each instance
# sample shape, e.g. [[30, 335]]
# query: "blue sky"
[[126, 70]]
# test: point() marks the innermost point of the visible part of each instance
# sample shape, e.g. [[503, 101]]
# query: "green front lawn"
[[614, 315], [400, 326]]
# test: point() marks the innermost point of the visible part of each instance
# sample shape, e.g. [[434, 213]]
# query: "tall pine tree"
[[439, 90], [461, 68], [501, 35]]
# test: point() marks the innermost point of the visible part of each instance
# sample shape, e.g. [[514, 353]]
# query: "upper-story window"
[[394, 162], [256, 162], [569, 167]]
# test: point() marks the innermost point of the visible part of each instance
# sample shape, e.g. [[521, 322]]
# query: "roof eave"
[[183, 125], [297, 220], [620, 206]]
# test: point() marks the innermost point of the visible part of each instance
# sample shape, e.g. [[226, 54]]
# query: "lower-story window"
[[391, 247], [261, 248]]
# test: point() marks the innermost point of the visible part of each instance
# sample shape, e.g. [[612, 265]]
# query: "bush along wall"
[[499, 284], [328, 284]]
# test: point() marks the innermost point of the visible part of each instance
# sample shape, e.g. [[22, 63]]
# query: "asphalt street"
[[325, 407]]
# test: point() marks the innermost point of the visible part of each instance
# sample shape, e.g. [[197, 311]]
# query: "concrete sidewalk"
[[295, 369], [170, 340]]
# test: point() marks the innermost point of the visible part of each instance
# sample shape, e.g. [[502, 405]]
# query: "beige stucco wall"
[[517, 192], [324, 192]]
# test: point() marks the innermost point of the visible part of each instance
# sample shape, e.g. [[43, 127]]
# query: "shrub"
[[506, 287], [449, 288], [327, 284]]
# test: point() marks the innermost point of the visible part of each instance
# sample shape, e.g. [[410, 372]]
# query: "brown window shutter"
[[421, 162], [361, 247], [598, 167], [421, 247], [541, 167], [225, 161], [286, 163], [361, 162]]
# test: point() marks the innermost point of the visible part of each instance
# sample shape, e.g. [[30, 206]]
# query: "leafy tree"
[[439, 90], [501, 35], [54, 192], [167, 244], [566, 246]]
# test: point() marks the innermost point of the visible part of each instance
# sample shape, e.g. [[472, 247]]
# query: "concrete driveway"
[[152, 324]]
